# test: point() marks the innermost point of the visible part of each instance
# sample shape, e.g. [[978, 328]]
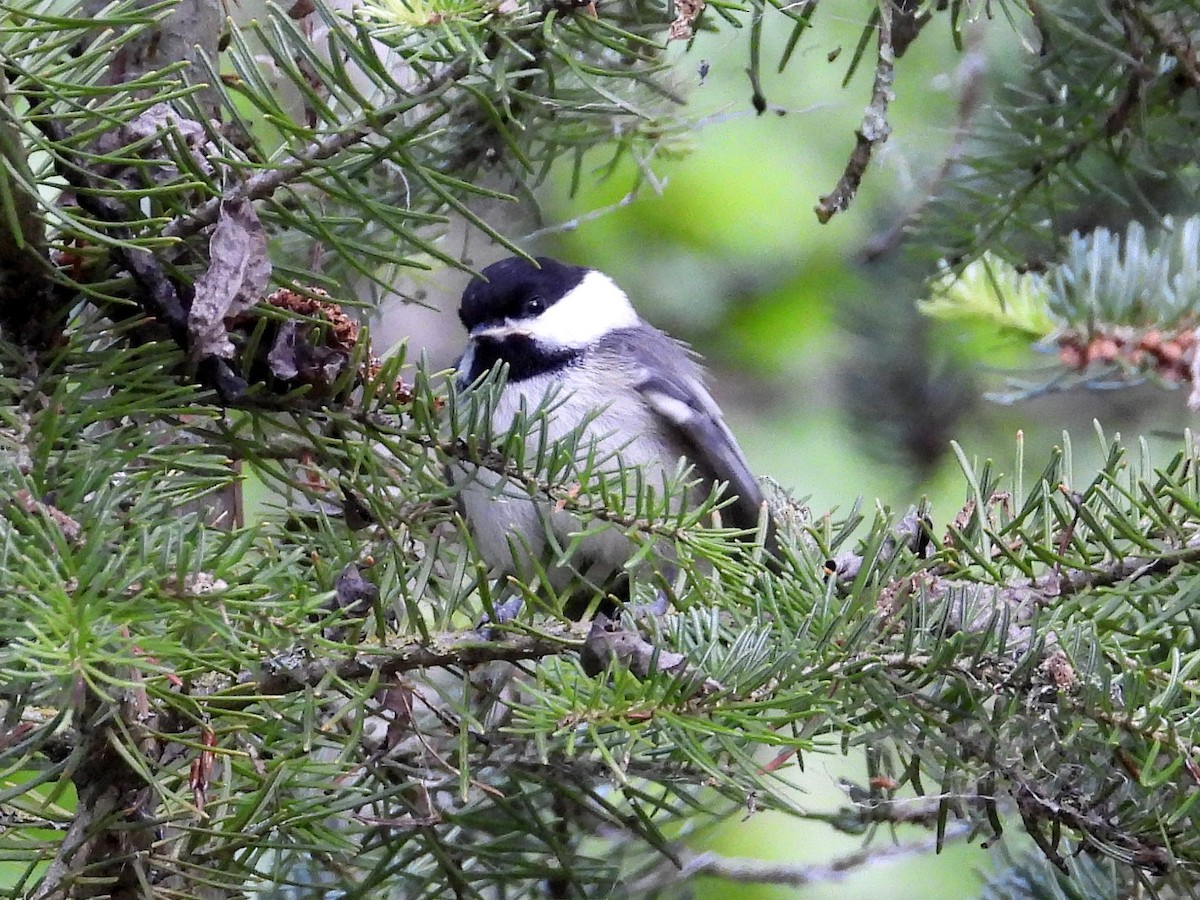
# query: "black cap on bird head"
[[515, 288]]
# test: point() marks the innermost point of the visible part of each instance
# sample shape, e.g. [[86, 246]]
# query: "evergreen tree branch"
[[1176, 42], [458, 650], [108, 837], [1037, 809], [1091, 137], [265, 183], [157, 293]]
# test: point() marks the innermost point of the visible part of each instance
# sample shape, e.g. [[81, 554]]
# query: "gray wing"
[[665, 375]]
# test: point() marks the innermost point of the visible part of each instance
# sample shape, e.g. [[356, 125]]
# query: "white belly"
[[516, 532]]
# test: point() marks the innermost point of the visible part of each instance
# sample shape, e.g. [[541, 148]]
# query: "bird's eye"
[[534, 306]]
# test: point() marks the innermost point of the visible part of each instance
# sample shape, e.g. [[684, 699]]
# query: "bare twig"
[[758, 871], [874, 129], [969, 77], [465, 649], [573, 224]]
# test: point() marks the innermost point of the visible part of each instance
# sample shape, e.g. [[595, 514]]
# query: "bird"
[[570, 335]]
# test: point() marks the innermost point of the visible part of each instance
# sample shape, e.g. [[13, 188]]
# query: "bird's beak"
[[497, 332]]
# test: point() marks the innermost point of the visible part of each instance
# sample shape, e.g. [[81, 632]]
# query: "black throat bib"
[[525, 358]]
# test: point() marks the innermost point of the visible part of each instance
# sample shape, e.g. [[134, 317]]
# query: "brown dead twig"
[[970, 81], [761, 871], [873, 130], [462, 649]]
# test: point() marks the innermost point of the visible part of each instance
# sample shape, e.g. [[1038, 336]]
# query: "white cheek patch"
[[592, 309]]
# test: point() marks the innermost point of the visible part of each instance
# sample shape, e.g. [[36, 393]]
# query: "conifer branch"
[[283, 172], [459, 650], [969, 77]]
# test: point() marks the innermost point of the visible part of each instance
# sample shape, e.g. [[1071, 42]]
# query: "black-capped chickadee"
[[571, 331]]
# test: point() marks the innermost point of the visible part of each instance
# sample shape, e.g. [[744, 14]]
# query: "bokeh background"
[[836, 385]]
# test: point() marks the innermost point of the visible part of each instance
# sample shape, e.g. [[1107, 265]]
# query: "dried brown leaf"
[[157, 120], [294, 357], [70, 528], [353, 593], [238, 271]]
